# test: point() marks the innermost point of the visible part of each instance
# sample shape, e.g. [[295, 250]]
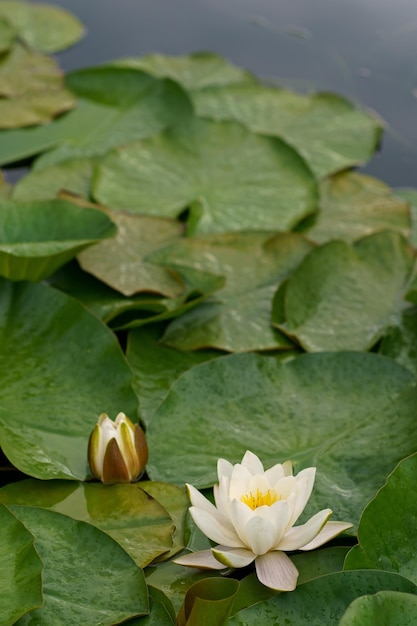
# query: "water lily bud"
[[117, 451]]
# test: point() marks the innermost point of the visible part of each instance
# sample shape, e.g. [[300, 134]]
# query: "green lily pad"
[[345, 297], [334, 411], [139, 524], [161, 611], [320, 602], [114, 106], [73, 369], [400, 342], [193, 71], [31, 89], [391, 608], [8, 35], [38, 237], [353, 205], [239, 318], [410, 196], [156, 367], [20, 570], [87, 577], [208, 601], [394, 547], [5, 188], [121, 262], [326, 129], [44, 27], [230, 178], [72, 176]]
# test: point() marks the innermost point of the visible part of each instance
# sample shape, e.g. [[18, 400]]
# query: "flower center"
[[253, 500]]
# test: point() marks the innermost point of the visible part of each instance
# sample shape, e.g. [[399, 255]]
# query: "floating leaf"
[[47, 28], [73, 370], [156, 367], [73, 176], [344, 297], [394, 547], [400, 342], [334, 411], [320, 602], [327, 130], [410, 196], [38, 237], [87, 577], [208, 601], [194, 71], [391, 608], [353, 205], [239, 318], [230, 178], [161, 611], [8, 35], [20, 570], [137, 522]]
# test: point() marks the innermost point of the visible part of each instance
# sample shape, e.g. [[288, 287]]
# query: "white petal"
[[277, 571], [221, 496], [256, 483], [224, 468], [301, 535], [261, 534], [278, 471], [203, 559], [239, 481], [305, 482], [329, 531], [252, 463], [285, 486], [200, 502], [214, 530], [233, 557]]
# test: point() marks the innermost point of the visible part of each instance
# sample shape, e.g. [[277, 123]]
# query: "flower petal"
[[277, 571], [261, 535], [252, 463], [329, 531], [301, 535], [233, 557], [215, 530], [305, 482], [278, 471], [224, 468], [203, 559]]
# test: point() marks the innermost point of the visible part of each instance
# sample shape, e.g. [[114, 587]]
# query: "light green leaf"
[[394, 546], [138, 523], [238, 317], [327, 130], [87, 577], [20, 570], [334, 411], [8, 35], [156, 367], [320, 602], [73, 370], [72, 176], [47, 28], [194, 71], [344, 297], [38, 237], [400, 342], [410, 196], [208, 602], [353, 205], [391, 608], [230, 178]]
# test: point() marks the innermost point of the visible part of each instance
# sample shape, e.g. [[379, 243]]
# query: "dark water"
[[363, 49]]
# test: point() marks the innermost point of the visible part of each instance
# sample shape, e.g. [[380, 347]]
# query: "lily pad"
[[229, 178], [208, 601], [353, 205], [139, 524], [410, 196], [193, 71], [391, 608], [121, 262], [8, 35], [334, 411], [320, 602], [345, 297], [21, 570], [394, 547], [44, 27], [156, 367], [38, 237], [239, 318], [400, 342], [61, 367], [326, 129], [72, 176], [87, 577]]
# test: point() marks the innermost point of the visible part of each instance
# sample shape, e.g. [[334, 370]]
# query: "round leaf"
[[391, 608]]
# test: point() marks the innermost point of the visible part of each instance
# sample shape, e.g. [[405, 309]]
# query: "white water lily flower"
[[254, 518]]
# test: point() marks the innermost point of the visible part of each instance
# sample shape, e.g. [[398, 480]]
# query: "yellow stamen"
[[253, 500]]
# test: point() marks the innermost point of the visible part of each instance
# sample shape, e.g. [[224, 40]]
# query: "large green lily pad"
[[230, 178], [137, 522], [326, 129], [341, 412], [20, 570], [72, 176], [61, 367], [87, 577], [38, 237], [391, 608], [344, 297], [400, 341], [238, 318]]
